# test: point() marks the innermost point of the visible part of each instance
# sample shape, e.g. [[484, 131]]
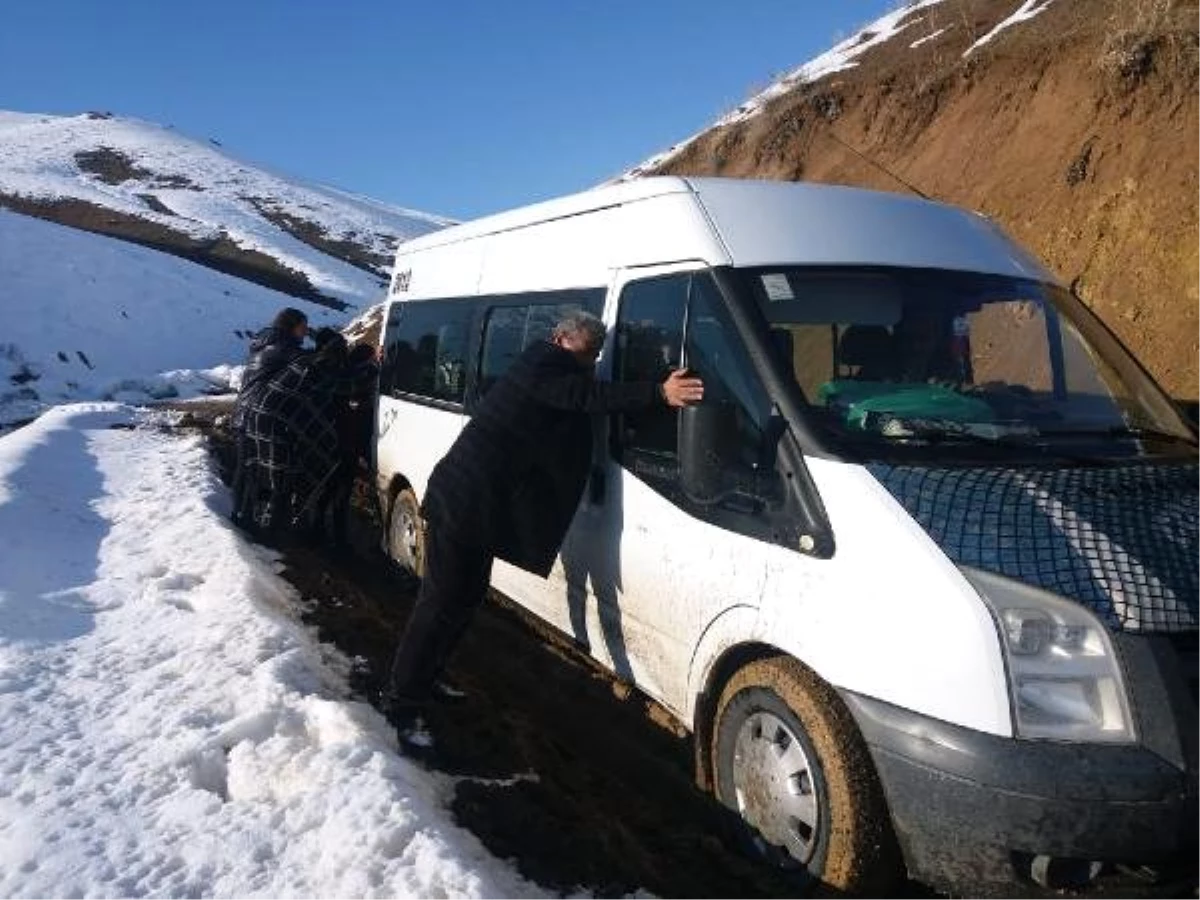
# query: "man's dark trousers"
[[455, 583]]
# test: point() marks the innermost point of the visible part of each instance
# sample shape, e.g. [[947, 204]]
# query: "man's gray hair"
[[583, 326]]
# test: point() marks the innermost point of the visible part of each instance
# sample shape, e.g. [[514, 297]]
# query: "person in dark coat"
[[354, 421], [356, 424], [508, 489], [291, 430], [270, 350]]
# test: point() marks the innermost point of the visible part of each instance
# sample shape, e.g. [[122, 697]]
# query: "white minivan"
[[919, 574]]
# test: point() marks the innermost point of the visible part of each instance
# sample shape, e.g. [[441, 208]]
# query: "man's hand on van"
[[682, 389]]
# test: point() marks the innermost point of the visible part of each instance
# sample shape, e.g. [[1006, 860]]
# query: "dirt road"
[[577, 786], [581, 788]]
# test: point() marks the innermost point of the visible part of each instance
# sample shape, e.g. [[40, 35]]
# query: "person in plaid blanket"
[[291, 433], [271, 349]]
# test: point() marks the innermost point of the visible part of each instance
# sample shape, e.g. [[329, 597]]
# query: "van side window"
[[649, 344], [676, 319], [715, 352], [510, 329], [426, 350]]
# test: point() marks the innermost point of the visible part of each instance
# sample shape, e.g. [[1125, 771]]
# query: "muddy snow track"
[[579, 786]]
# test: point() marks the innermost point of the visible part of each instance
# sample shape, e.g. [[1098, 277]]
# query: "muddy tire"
[[788, 758], [406, 534]]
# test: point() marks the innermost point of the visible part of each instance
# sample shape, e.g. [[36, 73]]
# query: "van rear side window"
[[510, 329], [426, 351]]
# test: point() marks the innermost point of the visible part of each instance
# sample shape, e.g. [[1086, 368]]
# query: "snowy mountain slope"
[[84, 316], [168, 730], [909, 19], [843, 55], [150, 184]]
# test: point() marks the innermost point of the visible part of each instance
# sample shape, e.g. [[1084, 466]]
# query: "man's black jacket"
[[511, 482]]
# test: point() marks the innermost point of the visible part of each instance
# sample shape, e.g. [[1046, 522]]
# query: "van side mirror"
[[707, 450]]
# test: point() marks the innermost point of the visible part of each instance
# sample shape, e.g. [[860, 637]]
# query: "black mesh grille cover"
[[1122, 540]]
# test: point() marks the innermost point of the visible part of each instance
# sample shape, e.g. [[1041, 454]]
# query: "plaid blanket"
[[290, 427], [270, 351]]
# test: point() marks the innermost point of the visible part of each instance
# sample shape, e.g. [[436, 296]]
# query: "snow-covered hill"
[[174, 253], [150, 184], [83, 316], [907, 19]]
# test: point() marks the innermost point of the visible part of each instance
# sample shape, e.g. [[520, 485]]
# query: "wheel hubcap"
[[404, 539], [775, 787]]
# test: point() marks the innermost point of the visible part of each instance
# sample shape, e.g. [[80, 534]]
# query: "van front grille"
[[1120, 540]]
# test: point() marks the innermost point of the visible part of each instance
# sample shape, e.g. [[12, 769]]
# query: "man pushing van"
[[508, 488]]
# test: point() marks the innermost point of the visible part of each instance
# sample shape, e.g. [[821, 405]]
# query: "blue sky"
[[459, 108]]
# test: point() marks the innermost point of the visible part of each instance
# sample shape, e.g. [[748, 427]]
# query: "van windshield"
[[917, 357]]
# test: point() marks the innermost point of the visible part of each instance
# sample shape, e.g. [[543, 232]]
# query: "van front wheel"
[[789, 760], [406, 533]]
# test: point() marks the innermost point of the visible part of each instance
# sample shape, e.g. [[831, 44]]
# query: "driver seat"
[[870, 350]]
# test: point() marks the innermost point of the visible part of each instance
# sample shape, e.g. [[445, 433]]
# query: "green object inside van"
[[860, 399]]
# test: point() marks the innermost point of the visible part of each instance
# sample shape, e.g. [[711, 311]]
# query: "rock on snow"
[[167, 729]]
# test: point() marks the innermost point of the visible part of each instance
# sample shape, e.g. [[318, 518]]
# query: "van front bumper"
[[974, 811]]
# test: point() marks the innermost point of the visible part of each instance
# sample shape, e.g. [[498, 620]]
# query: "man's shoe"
[[414, 735], [407, 717], [446, 693]]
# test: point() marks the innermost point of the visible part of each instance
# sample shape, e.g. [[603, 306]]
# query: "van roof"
[[601, 197], [762, 222]]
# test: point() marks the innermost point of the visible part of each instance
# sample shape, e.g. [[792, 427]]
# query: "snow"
[[840, 57], [366, 326], [1026, 11], [208, 192], [167, 729], [929, 37], [86, 317]]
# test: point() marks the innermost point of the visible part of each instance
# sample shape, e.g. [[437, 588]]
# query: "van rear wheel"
[[406, 533], [789, 760]]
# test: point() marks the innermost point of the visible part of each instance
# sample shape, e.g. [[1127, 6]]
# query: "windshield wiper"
[[1122, 431], [937, 436], [1027, 442]]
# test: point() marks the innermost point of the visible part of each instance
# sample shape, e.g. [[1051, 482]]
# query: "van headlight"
[[1063, 673]]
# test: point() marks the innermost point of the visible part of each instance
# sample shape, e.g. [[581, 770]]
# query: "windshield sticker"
[[777, 287]]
